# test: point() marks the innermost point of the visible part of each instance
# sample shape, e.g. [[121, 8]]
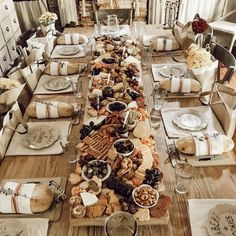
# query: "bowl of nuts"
[[145, 196], [98, 168]]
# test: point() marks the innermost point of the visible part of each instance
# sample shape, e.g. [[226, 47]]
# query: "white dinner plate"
[[68, 50], [12, 229], [40, 137], [170, 71], [57, 84], [190, 120], [221, 220]]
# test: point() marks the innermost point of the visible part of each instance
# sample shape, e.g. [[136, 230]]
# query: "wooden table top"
[[209, 182]]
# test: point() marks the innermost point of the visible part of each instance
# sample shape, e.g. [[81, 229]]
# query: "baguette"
[[64, 109], [82, 39], [166, 84], [186, 145], [71, 69]]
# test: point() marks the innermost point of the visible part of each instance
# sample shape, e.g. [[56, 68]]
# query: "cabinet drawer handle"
[[7, 29], [4, 58], [6, 7], [13, 48], [14, 21]]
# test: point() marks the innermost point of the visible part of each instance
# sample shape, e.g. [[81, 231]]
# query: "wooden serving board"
[[101, 222], [52, 215]]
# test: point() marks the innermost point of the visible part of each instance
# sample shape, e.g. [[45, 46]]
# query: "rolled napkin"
[[61, 68], [205, 144], [164, 44], [24, 198], [44, 110], [180, 85], [184, 85], [208, 144], [72, 39]]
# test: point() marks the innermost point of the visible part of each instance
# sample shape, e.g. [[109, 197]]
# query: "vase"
[[48, 28]]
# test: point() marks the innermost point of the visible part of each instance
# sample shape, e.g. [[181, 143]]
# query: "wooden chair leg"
[[70, 233]]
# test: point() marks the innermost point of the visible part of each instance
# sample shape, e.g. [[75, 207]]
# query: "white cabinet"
[[9, 32], [4, 58], [11, 45], [6, 29], [14, 21]]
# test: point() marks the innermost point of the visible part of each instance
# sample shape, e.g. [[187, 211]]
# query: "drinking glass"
[[121, 223], [69, 144], [77, 87], [146, 56], [112, 23], [184, 173], [158, 98], [155, 118]]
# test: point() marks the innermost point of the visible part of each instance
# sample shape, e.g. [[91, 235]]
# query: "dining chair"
[[225, 57], [225, 27], [125, 16]]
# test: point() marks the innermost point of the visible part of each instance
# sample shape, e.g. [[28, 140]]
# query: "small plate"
[[68, 50], [12, 228], [40, 137], [170, 71], [221, 220], [57, 84], [190, 120]]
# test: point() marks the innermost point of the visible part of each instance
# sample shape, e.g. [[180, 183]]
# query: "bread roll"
[[64, 109], [166, 84], [25, 198], [41, 199], [71, 69], [186, 145]]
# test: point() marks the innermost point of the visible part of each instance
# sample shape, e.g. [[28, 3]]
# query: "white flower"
[[198, 57], [47, 18], [8, 83]]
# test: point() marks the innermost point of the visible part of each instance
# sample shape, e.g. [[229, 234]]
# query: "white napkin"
[[32, 226], [16, 146], [147, 39], [173, 131], [40, 89], [164, 44], [198, 211]]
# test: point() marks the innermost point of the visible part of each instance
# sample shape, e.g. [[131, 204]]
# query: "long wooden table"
[[209, 182]]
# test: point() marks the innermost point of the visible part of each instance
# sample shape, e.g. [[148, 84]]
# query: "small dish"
[[40, 137], [68, 50], [124, 146], [170, 71], [116, 106], [96, 167], [190, 120], [145, 196], [57, 84], [221, 220]]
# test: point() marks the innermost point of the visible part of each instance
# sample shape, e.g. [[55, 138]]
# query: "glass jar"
[[112, 23]]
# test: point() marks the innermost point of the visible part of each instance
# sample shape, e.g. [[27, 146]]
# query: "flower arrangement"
[[198, 57], [47, 18], [6, 84]]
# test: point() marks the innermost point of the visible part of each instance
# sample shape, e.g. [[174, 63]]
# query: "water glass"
[[158, 98], [155, 118], [98, 29], [121, 223], [77, 87], [112, 23], [184, 174], [147, 56]]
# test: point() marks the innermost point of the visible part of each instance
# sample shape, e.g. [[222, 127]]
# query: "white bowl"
[[120, 153], [104, 178], [142, 186], [108, 109]]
